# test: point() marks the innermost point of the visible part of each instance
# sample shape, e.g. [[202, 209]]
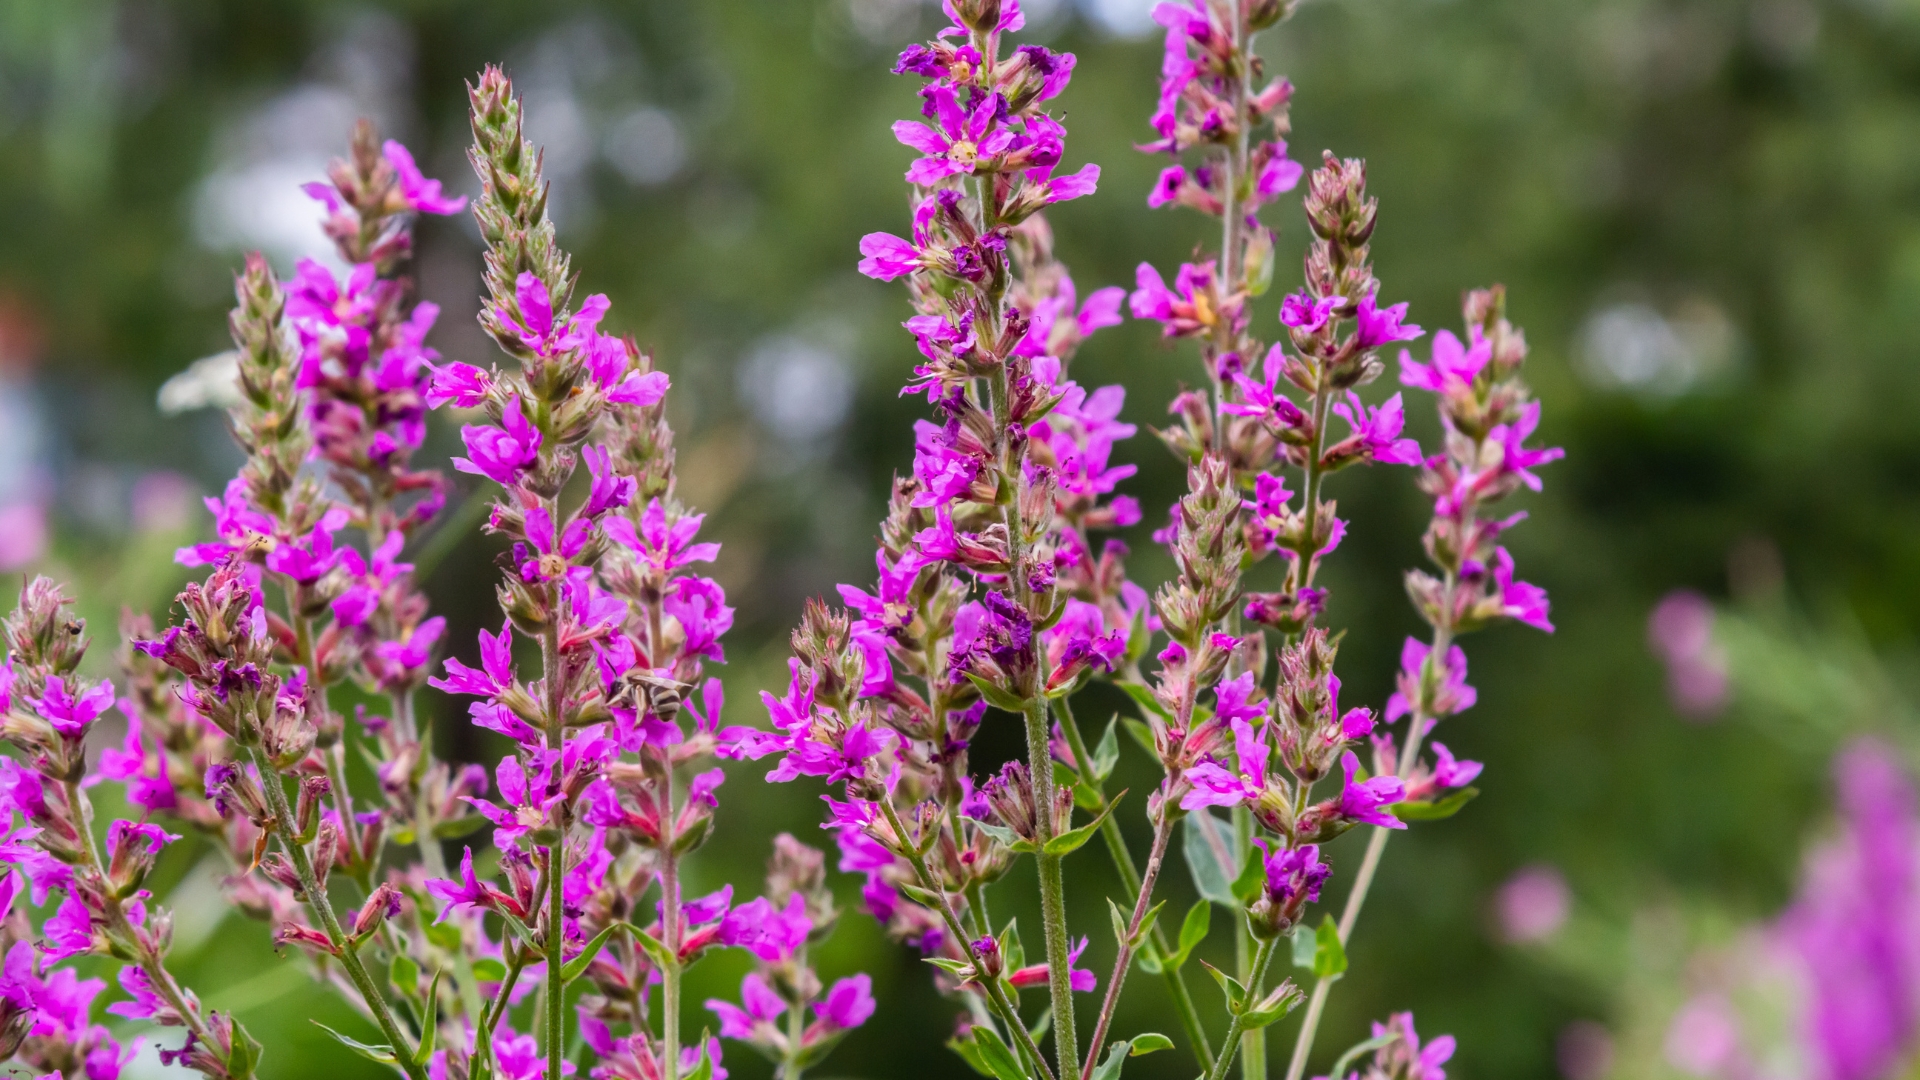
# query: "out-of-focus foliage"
[[1707, 213]]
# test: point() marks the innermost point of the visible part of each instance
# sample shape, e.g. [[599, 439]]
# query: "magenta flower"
[[1363, 802], [525, 809], [892, 606], [699, 605], [503, 721], [1080, 640], [609, 491], [1304, 313], [962, 140], [1082, 980], [1293, 874], [1056, 189], [1454, 368], [759, 1005], [1267, 398], [536, 327], [1451, 696], [1449, 773], [494, 675], [470, 892], [664, 548], [69, 932], [69, 714], [1011, 19], [848, 1004], [143, 773], [1279, 175], [501, 454], [1405, 1056], [1185, 309], [463, 384], [147, 1002], [1680, 633], [1533, 904], [888, 257], [1376, 431], [1518, 600], [420, 193], [1215, 785], [1374, 326], [1516, 460], [770, 933]]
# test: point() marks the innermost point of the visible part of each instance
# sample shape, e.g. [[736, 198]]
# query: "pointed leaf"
[[996, 1055], [487, 969], [1434, 811], [380, 1052], [1068, 842], [1253, 877], [1109, 1067], [1193, 931], [1236, 994], [404, 974], [1106, 754], [1329, 956], [704, 1070], [1148, 1043], [1141, 734], [969, 1053], [652, 946], [1144, 698], [1012, 953], [1210, 849], [1005, 835], [950, 966], [995, 696], [1279, 1001], [578, 965], [1305, 944], [428, 1022], [459, 827]]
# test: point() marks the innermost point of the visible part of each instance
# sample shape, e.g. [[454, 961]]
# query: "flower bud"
[[382, 904]]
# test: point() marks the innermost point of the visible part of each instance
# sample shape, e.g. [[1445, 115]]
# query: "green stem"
[[322, 907], [791, 1069], [1254, 991], [1053, 893], [996, 994], [670, 925], [1156, 948]]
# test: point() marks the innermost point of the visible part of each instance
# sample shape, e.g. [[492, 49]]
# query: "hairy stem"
[[996, 994], [1053, 893], [317, 901], [1121, 963], [556, 989], [670, 926], [1156, 947]]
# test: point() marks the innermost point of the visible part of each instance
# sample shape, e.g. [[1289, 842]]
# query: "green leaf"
[[445, 936], [1434, 811], [1149, 704], [245, 1054], [950, 966], [1329, 956], [923, 896], [1151, 962], [1253, 877], [428, 1025], [1148, 1043], [996, 1055], [1236, 994], [404, 974], [969, 1053], [1193, 931], [1106, 754], [1360, 1049], [1084, 796], [1069, 842], [1142, 734], [578, 965], [995, 696], [1006, 836], [1210, 849], [657, 952], [1304, 946], [1119, 920], [458, 827], [487, 969], [381, 1052], [1012, 954], [521, 932], [704, 1070], [1109, 1067]]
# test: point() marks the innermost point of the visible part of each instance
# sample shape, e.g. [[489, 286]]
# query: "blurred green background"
[[1707, 213]]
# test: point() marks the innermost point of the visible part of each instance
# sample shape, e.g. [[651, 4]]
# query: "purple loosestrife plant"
[[991, 594], [999, 591]]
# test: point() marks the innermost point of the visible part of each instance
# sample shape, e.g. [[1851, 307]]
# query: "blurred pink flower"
[[163, 501], [1705, 1037], [1533, 904], [23, 534], [1680, 633]]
